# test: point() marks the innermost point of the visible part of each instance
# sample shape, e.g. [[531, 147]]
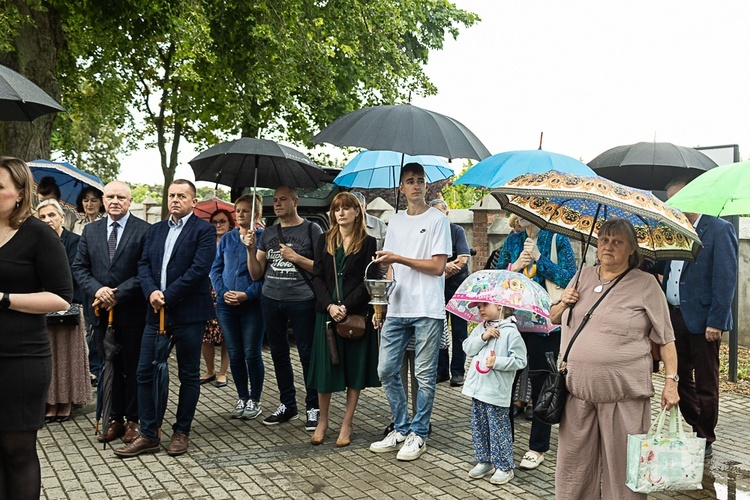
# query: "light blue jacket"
[[229, 270], [496, 386]]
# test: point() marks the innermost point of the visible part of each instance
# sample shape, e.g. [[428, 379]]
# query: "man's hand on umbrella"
[[105, 297], [156, 299], [529, 246]]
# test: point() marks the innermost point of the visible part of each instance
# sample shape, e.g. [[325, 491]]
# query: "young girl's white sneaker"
[[480, 470], [501, 476]]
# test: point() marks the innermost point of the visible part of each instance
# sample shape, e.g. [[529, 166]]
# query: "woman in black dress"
[[34, 279], [348, 244]]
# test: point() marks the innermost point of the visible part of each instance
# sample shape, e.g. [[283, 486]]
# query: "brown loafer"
[[132, 431], [179, 444], [115, 430], [139, 446]]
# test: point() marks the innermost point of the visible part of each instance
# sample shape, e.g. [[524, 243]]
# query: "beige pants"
[[592, 448]]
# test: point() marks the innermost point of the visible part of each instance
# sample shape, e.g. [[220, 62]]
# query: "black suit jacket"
[[355, 292], [70, 242], [188, 292], [93, 270]]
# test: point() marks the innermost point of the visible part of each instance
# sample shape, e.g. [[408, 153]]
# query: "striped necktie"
[[112, 241]]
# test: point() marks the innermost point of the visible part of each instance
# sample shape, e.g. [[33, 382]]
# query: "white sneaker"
[[413, 448], [501, 476], [531, 461], [237, 412], [392, 442], [480, 470], [252, 410]]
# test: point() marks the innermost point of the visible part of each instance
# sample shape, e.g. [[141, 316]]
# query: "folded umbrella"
[[109, 348], [162, 347]]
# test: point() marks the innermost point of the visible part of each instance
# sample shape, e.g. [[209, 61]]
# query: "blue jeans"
[[300, 315], [242, 327], [394, 338], [458, 357], [188, 340]]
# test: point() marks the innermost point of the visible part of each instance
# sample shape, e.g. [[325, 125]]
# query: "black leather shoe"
[[709, 451], [529, 413]]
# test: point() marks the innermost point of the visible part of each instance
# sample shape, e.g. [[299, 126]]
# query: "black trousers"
[[698, 368]]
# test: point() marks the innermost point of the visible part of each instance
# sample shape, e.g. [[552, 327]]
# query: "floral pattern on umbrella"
[[505, 288], [571, 205]]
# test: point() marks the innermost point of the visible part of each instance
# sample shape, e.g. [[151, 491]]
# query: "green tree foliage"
[[142, 191], [461, 195], [205, 193]]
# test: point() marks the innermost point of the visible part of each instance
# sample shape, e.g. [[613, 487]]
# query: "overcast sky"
[[591, 75]]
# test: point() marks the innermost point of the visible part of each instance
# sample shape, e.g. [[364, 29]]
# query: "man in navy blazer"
[[173, 271], [700, 297], [113, 283]]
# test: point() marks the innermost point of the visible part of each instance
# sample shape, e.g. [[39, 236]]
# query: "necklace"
[[598, 288]]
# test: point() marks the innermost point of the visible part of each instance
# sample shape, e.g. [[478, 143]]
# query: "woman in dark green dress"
[[347, 244]]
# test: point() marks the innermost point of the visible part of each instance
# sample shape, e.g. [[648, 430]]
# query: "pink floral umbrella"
[[505, 288]]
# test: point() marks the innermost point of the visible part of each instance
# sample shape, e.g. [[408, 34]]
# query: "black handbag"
[[71, 317], [551, 401]]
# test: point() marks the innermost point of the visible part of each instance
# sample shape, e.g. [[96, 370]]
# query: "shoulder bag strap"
[[336, 279], [301, 271], [586, 318]]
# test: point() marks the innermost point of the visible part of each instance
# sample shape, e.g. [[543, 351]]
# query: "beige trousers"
[[592, 448]]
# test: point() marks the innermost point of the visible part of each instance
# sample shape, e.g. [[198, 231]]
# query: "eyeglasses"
[[219, 222]]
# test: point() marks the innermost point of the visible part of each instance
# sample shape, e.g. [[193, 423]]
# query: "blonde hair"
[[333, 235], [23, 181], [51, 202]]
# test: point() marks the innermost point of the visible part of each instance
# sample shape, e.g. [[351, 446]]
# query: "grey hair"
[[438, 201], [51, 202]]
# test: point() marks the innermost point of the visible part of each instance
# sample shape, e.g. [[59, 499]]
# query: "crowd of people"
[[197, 283]]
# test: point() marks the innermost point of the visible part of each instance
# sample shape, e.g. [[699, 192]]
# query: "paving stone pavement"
[[231, 458]]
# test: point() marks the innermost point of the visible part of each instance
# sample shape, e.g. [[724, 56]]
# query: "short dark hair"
[[623, 227], [82, 195], [185, 181], [48, 186], [411, 168], [677, 182]]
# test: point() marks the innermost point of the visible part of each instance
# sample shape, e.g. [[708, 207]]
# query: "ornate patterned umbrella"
[[577, 206]]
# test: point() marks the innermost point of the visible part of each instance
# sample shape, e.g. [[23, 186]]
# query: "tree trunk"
[[35, 57]]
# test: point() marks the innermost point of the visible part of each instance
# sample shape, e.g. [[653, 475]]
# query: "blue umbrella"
[[498, 169], [70, 179], [382, 169]]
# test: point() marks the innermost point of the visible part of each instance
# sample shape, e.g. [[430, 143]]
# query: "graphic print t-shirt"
[[282, 280]]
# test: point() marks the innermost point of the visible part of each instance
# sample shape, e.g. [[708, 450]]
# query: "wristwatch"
[[5, 301], [674, 377]]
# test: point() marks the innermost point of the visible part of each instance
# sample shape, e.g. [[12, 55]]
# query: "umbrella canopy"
[[498, 169], [204, 209], [505, 288], [109, 348], [577, 206], [650, 165], [255, 162], [719, 192], [404, 128], [70, 179], [382, 169], [21, 99], [162, 346]]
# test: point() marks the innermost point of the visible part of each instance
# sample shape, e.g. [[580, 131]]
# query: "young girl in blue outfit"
[[498, 352]]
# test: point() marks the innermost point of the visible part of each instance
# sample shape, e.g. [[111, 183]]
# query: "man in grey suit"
[[106, 270]]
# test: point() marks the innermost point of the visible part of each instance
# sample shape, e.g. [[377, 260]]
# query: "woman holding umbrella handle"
[[530, 251]]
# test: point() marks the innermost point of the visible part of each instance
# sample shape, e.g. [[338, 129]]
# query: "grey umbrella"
[[650, 165], [404, 128], [21, 99]]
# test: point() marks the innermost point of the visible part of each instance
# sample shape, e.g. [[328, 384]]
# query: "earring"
[[18, 204]]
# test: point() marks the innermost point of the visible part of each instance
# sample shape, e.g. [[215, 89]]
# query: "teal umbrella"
[[720, 191]]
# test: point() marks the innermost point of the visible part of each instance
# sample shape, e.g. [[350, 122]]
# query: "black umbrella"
[[109, 348], [404, 128], [21, 99], [162, 347], [255, 162], [650, 165]]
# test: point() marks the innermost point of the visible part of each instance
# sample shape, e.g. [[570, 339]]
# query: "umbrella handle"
[[111, 318], [161, 320]]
